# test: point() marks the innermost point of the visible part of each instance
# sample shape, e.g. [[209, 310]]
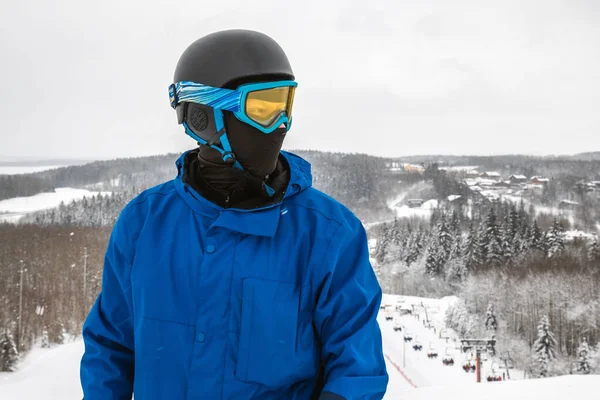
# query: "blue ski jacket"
[[199, 302]]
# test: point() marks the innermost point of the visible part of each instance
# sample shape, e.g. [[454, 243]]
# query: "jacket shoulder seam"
[[139, 201]]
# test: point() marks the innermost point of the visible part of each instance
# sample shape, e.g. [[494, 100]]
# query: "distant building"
[[502, 184], [568, 205], [457, 200], [414, 168], [538, 180], [491, 175], [414, 203], [515, 179]]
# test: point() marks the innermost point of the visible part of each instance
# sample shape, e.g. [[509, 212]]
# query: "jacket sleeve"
[[348, 301], [107, 364]]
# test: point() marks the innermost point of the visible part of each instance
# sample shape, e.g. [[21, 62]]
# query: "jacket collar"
[[261, 221]]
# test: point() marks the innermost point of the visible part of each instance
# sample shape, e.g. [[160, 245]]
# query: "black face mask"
[[256, 151]]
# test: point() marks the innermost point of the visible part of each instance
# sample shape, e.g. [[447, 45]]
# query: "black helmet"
[[227, 59]]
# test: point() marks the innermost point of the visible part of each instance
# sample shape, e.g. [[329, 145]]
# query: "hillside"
[[361, 182]]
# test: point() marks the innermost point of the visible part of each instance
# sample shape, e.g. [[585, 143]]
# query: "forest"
[[501, 256]]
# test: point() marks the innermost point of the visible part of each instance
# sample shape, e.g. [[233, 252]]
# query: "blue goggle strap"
[[223, 99], [226, 152]]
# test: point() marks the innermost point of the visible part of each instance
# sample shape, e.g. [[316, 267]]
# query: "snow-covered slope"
[[54, 373], [18, 169], [11, 210], [559, 388], [45, 374]]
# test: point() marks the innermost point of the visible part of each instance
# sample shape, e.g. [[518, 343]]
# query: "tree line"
[[504, 257], [49, 277]]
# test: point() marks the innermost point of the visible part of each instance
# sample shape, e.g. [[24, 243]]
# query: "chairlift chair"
[[432, 351]]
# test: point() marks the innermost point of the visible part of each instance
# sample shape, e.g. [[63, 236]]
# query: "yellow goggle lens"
[[265, 106]]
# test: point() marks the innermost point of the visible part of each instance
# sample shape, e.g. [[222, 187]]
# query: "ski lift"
[[417, 346], [494, 376], [432, 352], [448, 360], [467, 366], [407, 337]]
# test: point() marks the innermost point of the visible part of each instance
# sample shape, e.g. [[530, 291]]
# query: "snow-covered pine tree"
[[45, 339], [410, 255], [491, 323], [555, 239], [455, 224], [507, 240], [583, 364], [524, 240], [383, 242], [523, 217], [9, 355], [537, 238], [445, 237], [419, 246], [594, 252], [472, 254], [432, 262], [492, 239], [396, 233], [457, 271], [495, 252], [56, 333], [482, 242], [544, 346]]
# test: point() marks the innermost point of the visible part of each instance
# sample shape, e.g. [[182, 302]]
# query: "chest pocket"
[[277, 345]]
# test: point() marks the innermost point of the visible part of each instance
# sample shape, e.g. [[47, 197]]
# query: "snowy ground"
[[45, 374], [54, 373], [424, 211], [11, 210], [15, 170]]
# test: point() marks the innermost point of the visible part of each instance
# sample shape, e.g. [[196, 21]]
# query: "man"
[[237, 279]]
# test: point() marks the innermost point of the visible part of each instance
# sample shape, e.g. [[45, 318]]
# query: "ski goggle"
[[264, 106]]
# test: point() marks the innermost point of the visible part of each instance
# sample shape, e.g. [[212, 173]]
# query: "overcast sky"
[[89, 79]]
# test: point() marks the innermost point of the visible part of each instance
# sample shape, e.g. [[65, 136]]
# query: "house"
[[491, 175], [502, 184], [516, 179], [486, 182], [538, 180], [457, 200], [568, 205], [585, 186], [414, 203], [394, 166], [414, 168]]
